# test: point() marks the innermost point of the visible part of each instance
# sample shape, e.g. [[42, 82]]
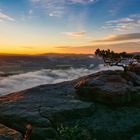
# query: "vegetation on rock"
[[112, 58], [74, 133]]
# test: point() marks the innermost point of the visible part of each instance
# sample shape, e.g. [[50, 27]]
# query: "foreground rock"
[[42, 107], [9, 134], [136, 69], [114, 87], [47, 106]]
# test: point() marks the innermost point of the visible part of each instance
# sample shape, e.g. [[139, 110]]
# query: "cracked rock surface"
[[42, 106]]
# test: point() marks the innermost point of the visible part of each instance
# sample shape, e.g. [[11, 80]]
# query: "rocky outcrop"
[[42, 107], [9, 134], [136, 69], [114, 87], [47, 106], [114, 123]]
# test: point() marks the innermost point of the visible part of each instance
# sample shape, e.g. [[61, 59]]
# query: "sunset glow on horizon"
[[69, 26]]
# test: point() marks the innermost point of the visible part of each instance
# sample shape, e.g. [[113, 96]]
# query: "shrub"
[[74, 133]]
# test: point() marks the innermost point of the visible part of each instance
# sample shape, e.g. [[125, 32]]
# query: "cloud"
[[130, 46], [57, 8], [56, 13], [48, 76], [127, 19], [35, 0], [120, 37], [75, 34], [68, 1], [4, 17], [51, 7], [83, 1], [124, 24]]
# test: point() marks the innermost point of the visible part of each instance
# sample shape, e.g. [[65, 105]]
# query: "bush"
[[74, 133]]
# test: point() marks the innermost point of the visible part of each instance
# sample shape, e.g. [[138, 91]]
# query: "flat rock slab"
[[42, 106], [9, 134]]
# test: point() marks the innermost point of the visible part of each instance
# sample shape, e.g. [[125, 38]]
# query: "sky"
[[69, 26]]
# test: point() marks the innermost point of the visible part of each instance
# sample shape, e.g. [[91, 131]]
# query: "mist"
[[45, 76]]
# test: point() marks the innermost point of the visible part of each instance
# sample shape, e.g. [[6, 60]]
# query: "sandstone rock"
[[109, 87], [9, 134], [42, 106], [46, 106], [136, 69]]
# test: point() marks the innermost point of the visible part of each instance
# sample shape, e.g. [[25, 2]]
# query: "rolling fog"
[[45, 76]]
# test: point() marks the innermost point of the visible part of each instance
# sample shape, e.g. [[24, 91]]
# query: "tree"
[[123, 59]]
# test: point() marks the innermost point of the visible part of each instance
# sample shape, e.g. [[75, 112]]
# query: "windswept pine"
[[123, 59]]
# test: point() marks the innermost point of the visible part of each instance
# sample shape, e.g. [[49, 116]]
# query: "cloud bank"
[[120, 37], [130, 46], [132, 22], [46, 76]]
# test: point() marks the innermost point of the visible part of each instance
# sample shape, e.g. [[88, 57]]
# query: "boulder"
[[9, 134], [114, 87]]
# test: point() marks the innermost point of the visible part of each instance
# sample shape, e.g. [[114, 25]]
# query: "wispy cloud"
[[69, 1], [51, 7], [4, 17], [131, 46], [57, 8], [120, 37], [56, 13], [83, 1], [127, 19], [124, 24], [75, 34]]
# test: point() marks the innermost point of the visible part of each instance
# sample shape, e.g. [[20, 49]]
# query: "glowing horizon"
[[68, 26]]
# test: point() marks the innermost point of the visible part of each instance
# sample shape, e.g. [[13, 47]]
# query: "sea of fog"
[[45, 76]]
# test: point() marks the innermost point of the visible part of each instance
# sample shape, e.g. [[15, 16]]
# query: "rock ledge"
[[114, 87]]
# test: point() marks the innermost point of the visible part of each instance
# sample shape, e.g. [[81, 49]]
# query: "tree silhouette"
[[123, 59]]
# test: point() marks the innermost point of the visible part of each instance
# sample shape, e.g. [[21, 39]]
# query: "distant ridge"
[[10, 54], [136, 53], [45, 55], [54, 54]]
